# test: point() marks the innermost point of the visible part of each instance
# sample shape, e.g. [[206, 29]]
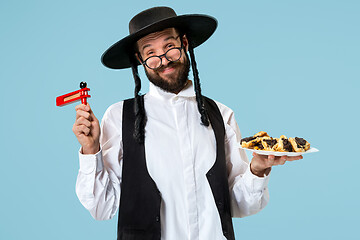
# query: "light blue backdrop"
[[285, 67]]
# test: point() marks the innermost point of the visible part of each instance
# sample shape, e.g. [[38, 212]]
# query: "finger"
[[82, 107], [258, 155], [293, 158], [270, 160], [279, 161], [81, 129], [83, 121], [84, 114], [92, 115], [264, 157]]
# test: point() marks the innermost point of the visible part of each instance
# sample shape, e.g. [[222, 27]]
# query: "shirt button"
[[175, 99], [157, 218]]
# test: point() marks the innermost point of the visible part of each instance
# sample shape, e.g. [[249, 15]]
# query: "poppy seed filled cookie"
[[284, 145], [299, 144], [247, 139], [251, 142], [262, 141], [261, 134], [258, 144], [287, 146], [269, 143]]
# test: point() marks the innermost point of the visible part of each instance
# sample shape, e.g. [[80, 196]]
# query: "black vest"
[[139, 211]]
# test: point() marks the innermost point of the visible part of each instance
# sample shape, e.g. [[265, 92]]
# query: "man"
[[168, 160]]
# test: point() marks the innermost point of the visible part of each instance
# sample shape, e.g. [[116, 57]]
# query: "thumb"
[[270, 161], [88, 108]]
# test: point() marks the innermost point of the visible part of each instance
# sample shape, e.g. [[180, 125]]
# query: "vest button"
[[157, 218]]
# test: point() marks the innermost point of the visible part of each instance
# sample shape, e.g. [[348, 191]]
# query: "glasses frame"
[[143, 62]]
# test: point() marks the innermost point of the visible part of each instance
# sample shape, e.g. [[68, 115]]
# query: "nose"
[[164, 61]]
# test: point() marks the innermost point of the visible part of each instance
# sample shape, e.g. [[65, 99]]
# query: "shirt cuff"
[[90, 162], [255, 183]]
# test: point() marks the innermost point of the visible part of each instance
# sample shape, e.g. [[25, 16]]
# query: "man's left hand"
[[261, 164]]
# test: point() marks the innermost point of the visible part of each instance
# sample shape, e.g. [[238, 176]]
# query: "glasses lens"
[[173, 54], [153, 62]]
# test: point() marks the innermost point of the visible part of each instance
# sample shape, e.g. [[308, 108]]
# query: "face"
[[171, 76]]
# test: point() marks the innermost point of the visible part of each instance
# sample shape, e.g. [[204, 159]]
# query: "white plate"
[[261, 152]]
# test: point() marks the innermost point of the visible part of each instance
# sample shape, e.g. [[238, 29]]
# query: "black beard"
[[175, 85]]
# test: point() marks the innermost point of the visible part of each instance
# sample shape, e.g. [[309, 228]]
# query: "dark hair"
[[139, 110], [199, 97]]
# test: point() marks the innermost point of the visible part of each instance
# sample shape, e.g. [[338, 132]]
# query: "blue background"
[[285, 67]]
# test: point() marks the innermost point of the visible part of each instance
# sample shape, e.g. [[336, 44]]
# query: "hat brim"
[[197, 27]]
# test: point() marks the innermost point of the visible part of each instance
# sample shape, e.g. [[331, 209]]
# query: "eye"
[[149, 53], [170, 45]]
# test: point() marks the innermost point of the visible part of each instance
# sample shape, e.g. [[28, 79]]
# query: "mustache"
[[170, 64]]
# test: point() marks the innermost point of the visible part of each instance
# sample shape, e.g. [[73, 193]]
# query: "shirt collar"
[[186, 92]]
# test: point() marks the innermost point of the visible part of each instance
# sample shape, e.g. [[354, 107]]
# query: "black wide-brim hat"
[[197, 27]]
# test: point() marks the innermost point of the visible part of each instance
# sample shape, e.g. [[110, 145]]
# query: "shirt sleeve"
[[99, 177], [249, 193]]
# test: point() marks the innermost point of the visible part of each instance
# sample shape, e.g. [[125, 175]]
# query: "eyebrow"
[[145, 46], [166, 39]]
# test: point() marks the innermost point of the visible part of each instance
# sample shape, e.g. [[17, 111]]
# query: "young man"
[[168, 160]]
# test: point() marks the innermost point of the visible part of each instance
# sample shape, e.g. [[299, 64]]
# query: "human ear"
[[185, 43], [138, 58]]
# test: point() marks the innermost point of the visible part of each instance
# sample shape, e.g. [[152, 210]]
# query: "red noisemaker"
[[78, 95]]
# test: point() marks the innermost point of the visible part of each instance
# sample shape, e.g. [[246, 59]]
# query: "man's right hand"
[[87, 129]]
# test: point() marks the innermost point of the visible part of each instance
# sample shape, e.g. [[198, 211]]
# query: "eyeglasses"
[[172, 55]]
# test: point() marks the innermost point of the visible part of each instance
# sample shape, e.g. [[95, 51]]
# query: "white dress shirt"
[[179, 152]]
